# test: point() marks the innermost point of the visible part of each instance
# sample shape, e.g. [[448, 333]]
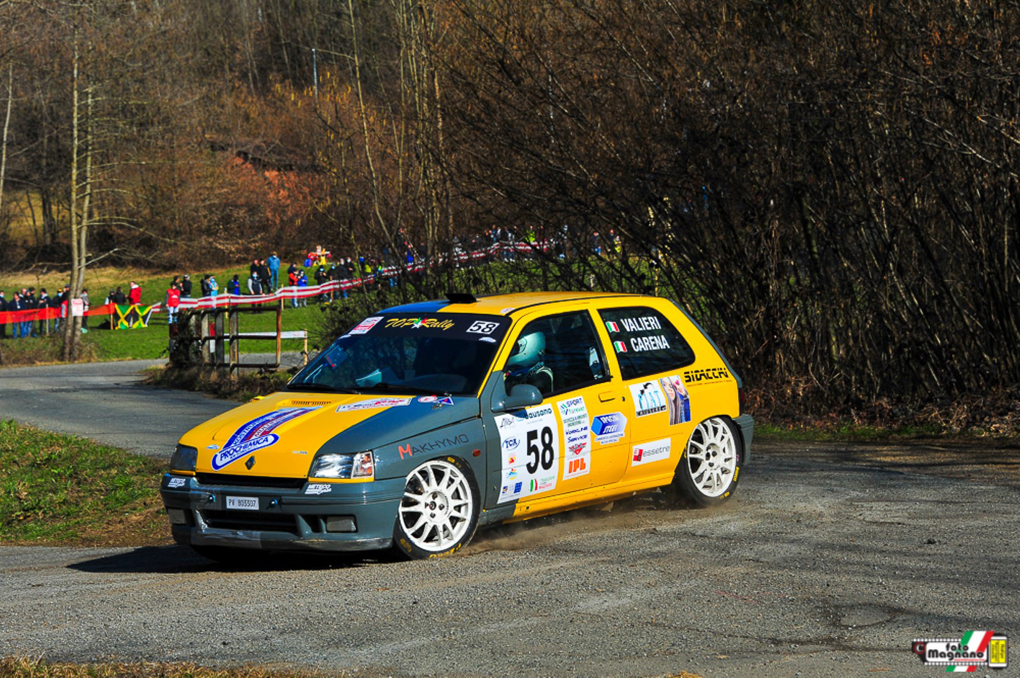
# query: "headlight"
[[343, 466], [184, 459]]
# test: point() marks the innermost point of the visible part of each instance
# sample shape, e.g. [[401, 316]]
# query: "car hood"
[[278, 436]]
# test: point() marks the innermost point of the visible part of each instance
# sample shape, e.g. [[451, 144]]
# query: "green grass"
[[58, 489]]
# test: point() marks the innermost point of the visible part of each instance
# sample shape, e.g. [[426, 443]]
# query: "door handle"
[[606, 397]]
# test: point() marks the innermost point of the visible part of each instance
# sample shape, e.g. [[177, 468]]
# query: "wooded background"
[[830, 187]]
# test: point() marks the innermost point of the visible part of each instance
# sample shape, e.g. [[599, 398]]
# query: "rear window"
[[645, 342]]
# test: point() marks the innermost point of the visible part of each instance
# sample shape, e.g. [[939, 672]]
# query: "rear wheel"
[[707, 473], [439, 511]]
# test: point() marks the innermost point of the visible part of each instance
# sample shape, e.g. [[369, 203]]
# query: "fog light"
[[340, 524], [177, 516]]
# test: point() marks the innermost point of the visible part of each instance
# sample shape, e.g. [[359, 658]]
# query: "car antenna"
[[461, 297]]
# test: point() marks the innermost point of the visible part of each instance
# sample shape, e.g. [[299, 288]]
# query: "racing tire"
[[438, 513], [710, 466]]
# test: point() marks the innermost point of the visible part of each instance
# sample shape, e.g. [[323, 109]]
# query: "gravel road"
[[818, 567], [815, 569], [109, 403]]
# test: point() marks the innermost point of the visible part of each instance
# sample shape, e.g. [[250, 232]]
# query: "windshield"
[[440, 353]]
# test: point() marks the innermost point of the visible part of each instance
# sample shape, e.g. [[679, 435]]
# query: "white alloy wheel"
[[437, 513], [710, 465]]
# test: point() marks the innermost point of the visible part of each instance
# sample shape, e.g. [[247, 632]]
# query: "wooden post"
[[235, 348], [206, 345], [220, 342], [279, 330]]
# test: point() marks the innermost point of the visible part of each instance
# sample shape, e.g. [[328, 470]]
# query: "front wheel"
[[707, 473], [439, 511]]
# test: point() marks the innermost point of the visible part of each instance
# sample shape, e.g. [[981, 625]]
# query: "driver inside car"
[[526, 364]]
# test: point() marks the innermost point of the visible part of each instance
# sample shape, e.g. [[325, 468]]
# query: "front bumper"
[[348, 517], [745, 423]]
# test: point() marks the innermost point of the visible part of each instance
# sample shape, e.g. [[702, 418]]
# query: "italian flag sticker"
[[613, 327], [620, 346]]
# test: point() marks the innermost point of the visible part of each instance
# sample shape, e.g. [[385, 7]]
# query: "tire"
[[439, 512], [710, 466]]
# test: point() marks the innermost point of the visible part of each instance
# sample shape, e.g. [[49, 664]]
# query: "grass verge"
[[21, 667], [63, 490]]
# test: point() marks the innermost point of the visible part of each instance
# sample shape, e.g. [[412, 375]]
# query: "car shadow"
[[181, 559]]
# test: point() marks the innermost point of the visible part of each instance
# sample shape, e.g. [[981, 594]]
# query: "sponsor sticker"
[[213, 447], [694, 377], [576, 437], [646, 453], [420, 323], [678, 400], [609, 428], [374, 404], [964, 654], [530, 446], [365, 325], [176, 482], [427, 399], [318, 488], [648, 398], [255, 435]]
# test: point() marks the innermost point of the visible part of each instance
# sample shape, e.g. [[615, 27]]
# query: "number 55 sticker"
[[530, 442]]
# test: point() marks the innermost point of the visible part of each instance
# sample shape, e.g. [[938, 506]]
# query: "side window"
[[645, 342], [556, 354]]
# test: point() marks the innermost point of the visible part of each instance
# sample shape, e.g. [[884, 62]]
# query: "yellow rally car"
[[426, 421]]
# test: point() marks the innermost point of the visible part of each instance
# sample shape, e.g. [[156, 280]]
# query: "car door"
[[650, 353], [551, 449]]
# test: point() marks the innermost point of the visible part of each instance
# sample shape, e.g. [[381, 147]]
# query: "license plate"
[[243, 503]]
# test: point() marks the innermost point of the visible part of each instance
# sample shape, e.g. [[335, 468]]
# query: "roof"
[[500, 304]]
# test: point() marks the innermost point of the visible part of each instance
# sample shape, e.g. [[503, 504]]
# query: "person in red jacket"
[[135, 295], [173, 300]]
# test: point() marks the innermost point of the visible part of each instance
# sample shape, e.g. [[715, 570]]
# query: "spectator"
[[293, 276], [173, 301], [234, 285], [302, 283], [254, 284], [28, 301], [42, 304], [14, 305], [84, 306], [274, 272], [264, 276], [118, 297], [214, 287], [186, 286], [204, 285], [135, 293], [3, 309], [58, 303]]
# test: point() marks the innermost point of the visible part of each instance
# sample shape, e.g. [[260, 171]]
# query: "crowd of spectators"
[[265, 276], [26, 299]]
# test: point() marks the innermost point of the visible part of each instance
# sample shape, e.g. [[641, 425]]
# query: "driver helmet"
[[527, 354]]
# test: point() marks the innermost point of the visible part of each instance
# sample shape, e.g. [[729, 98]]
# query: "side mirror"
[[521, 395]]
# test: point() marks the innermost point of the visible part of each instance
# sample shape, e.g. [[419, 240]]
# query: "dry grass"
[[23, 667]]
